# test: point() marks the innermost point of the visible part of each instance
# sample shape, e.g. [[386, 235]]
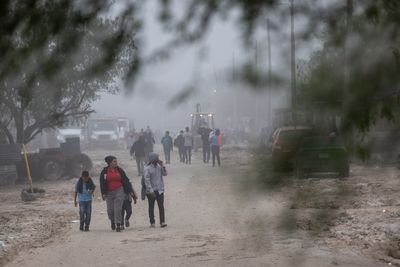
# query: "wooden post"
[[28, 171]]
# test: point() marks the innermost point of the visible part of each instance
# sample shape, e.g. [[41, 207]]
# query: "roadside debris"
[[28, 195]]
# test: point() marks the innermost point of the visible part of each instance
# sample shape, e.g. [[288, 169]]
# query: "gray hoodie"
[[153, 178], [188, 137]]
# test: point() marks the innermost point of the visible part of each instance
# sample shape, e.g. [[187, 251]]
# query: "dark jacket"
[[137, 148], [89, 185], [179, 141], [166, 141], [205, 135], [126, 184]]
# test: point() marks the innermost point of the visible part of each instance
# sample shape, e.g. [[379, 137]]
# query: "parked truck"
[[73, 129], [103, 133]]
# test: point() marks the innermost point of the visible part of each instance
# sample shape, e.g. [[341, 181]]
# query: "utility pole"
[[269, 74], [256, 81], [235, 107], [293, 65]]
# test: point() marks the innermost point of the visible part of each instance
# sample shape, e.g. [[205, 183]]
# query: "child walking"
[[127, 207], [84, 190]]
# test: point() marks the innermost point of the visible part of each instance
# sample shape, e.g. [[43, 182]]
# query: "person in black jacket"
[[138, 151], [180, 144], [114, 185], [205, 139]]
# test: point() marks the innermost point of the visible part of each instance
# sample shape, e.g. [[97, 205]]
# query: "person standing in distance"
[[167, 143], [188, 142], [180, 144], [205, 139], [216, 143], [138, 152], [153, 183]]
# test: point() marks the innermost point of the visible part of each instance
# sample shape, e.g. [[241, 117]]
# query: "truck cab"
[[102, 133]]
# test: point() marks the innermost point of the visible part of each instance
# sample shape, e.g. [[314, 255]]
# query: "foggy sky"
[[206, 64]]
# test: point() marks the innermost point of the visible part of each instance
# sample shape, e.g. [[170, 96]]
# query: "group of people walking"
[[211, 142], [118, 192], [184, 142], [116, 188]]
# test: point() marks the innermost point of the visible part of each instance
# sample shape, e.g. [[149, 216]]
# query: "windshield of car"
[[104, 126], [292, 136]]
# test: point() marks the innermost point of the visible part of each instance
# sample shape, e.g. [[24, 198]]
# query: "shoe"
[[127, 223], [118, 229], [81, 227], [153, 225], [112, 226], [122, 227], [162, 225], [86, 229]]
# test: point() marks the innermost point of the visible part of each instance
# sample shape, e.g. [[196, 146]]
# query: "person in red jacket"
[[114, 185]]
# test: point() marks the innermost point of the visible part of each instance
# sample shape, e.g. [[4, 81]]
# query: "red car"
[[285, 144]]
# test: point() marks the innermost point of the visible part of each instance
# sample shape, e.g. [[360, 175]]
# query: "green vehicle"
[[322, 155]]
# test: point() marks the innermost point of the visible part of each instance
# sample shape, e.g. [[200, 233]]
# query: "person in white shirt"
[[188, 142]]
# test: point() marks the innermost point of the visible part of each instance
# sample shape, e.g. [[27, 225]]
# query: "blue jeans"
[[85, 212]]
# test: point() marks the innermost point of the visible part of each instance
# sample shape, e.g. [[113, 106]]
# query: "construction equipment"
[[55, 163], [200, 119]]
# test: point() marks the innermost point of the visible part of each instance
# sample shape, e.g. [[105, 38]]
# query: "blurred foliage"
[[57, 56], [354, 75]]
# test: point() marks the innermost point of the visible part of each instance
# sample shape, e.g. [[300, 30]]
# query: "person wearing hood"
[[153, 187], [114, 185]]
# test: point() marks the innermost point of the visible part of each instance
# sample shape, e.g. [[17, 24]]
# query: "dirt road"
[[211, 222]]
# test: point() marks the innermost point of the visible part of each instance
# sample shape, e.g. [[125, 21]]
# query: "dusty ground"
[[213, 220]]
